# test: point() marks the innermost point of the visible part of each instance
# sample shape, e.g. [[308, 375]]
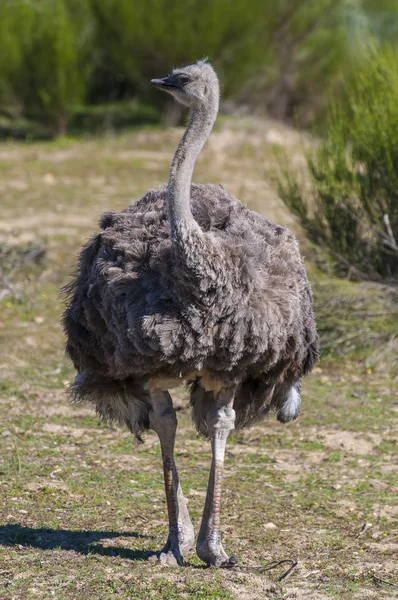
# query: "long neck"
[[179, 189]]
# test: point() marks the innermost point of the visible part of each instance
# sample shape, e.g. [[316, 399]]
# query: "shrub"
[[352, 207], [145, 39], [45, 50], [284, 56], [281, 54], [112, 117]]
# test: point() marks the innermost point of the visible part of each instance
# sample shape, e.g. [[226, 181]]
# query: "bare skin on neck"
[[179, 188], [163, 421]]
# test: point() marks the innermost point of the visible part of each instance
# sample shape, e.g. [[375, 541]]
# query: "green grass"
[[82, 505]]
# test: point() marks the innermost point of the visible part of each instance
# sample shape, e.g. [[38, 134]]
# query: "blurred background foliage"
[[75, 66], [347, 199], [60, 60]]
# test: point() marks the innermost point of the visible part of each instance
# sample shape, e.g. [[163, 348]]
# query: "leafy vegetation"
[[351, 208], [45, 57], [113, 116], [286, 57]]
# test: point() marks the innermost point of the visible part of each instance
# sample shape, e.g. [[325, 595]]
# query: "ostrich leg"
[[163, 421], [220, 420]]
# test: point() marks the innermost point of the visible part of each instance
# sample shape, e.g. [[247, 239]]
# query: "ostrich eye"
[[183, 79]]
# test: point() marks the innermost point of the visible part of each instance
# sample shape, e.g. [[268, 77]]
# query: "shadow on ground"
[[84, 542]]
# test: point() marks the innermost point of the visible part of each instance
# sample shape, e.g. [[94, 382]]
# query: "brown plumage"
[[188, 285]]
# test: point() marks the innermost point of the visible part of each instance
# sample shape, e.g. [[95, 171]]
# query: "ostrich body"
[[188, 285]]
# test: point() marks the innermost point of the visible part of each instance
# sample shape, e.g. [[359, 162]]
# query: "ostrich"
[[187, 285]]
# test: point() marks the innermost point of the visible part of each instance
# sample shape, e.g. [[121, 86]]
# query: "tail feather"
[[289, 408]]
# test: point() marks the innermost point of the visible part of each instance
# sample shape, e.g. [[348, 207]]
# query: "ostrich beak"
[[166, 82]]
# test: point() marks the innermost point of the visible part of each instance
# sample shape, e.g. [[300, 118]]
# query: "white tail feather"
[[290, 409]]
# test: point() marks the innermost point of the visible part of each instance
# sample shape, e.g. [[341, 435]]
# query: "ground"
[[82, 505]]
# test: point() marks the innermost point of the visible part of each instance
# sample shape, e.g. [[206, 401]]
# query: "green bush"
[[19, 128], [142, 40], [351, 208], [282, 54], [45, 57], [286, 56], [112, 117]]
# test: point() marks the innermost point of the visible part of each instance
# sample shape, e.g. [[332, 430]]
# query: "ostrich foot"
[[174, 551], [214, 555]]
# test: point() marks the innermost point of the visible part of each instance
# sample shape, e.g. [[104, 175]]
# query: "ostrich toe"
[[214, 555], [175, 549]]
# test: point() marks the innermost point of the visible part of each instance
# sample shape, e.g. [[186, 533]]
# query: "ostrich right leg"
[[163, 421], [220, 421]]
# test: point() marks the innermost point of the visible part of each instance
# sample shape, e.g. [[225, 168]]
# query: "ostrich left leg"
[[220, 421], [163, 421]]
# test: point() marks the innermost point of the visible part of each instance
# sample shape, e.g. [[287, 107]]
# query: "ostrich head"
[[193, 86]]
